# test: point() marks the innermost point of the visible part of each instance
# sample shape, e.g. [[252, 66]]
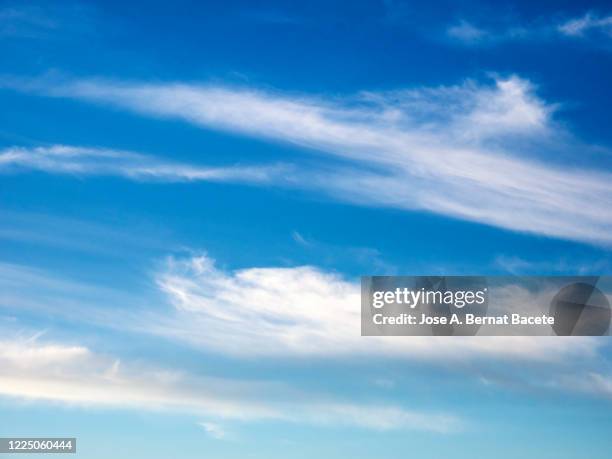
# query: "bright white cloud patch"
[[304, 311], [474, 152]]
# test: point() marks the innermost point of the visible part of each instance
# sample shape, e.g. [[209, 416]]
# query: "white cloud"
[[469, 33], [519, 266], [466, 32], [213, 429], [66, 159], [384, 383], [42, 21], [539, 30], [592, 383], [75, 375], [578, 27], [480, 153], [20, 21], [267, 311], [305, 311], [300, 312], [301, 240]]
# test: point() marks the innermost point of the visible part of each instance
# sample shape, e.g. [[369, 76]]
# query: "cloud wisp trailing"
[[65, 159], [589, 25], [590, 22], [75, 375], [481, 153]]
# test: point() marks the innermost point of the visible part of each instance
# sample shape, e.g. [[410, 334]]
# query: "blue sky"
[[189, 193]]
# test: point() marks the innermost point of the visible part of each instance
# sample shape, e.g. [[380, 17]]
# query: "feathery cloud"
[[213, 429], [470, 34], [578, 27], [299, 312], [65, 159], [479, 153], [541, 30], [75, 375], [466, 32], [304, 311]]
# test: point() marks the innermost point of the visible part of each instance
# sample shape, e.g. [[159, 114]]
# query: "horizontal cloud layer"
[[479, 153], [304, 311], [76, 375], [299, 314], [271, 312]]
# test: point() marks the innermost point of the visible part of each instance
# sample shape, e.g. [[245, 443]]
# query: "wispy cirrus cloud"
[[19, 21], [470, 33], [273, 314], [475, 33], [306, 311], [213, 429], [82, 161], [75, 375], [46, 21], [466, 32], [270, 312], [475, 152], [520, 266], [590, 22]]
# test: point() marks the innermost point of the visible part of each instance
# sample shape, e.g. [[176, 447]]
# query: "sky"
[[190, 192]]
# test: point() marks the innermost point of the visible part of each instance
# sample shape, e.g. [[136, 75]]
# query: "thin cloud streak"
[[469, 151], [64, 159], [578, 27], [75, 375], [589, 25]]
